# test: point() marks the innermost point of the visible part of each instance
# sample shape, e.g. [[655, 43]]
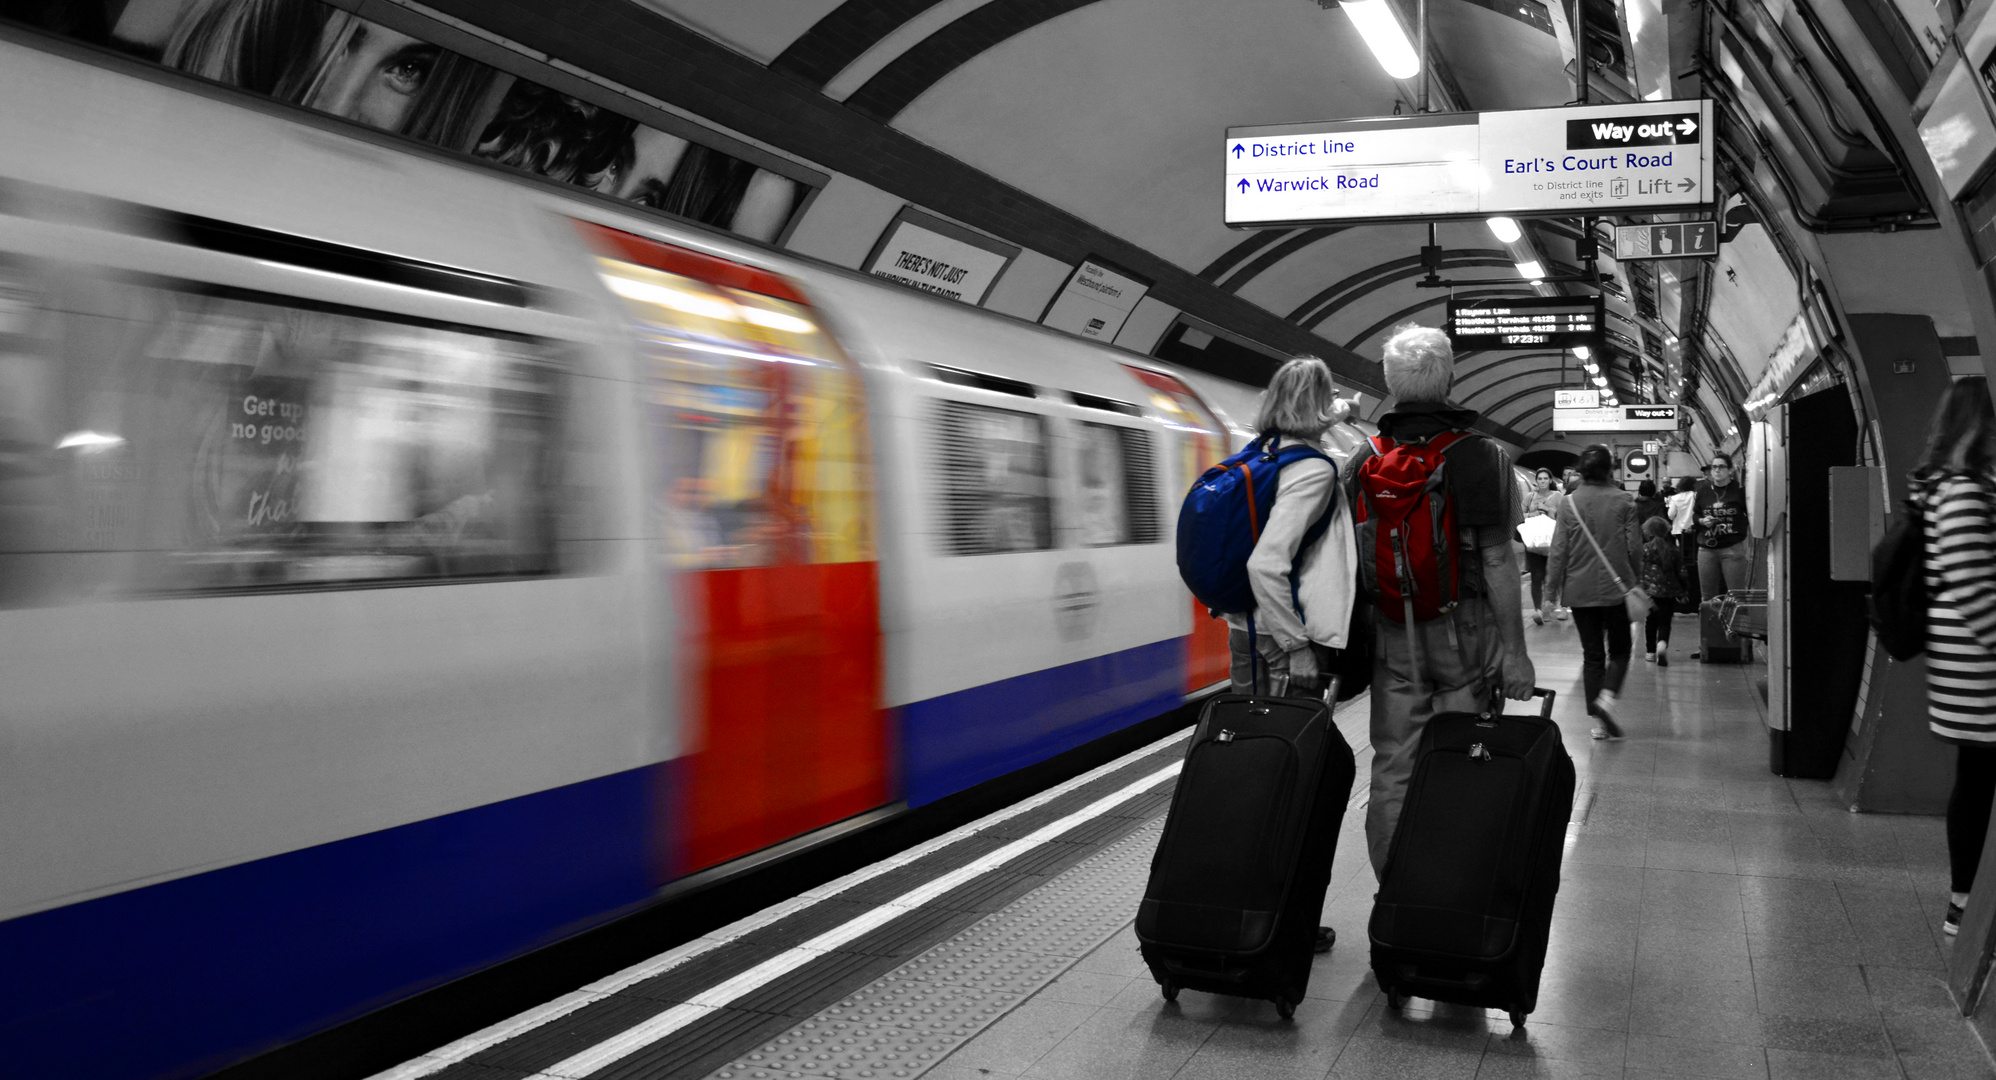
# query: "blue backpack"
[[1222, 517]]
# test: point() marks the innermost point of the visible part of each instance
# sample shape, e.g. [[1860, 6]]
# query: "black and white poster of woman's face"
[[307, 53]]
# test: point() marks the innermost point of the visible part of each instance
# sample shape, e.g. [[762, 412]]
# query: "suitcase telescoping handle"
[[1545, 707], [1279, 685]]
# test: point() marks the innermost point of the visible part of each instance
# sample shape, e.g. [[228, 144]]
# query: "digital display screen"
[[1526, 322]]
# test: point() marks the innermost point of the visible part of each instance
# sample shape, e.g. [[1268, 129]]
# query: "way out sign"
[[1572, 160]]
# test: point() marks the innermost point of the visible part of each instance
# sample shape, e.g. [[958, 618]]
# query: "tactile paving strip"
[[905, 1023]]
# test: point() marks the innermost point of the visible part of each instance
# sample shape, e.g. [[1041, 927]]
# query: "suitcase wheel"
[[1396, 1000], [1517, 1020], [1284, 1009], [1170, 991]]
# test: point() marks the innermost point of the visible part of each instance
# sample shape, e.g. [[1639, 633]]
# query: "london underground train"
[[405, 565]]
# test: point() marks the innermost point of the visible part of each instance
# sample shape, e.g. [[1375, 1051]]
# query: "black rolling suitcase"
[[1465, 905], [1238, 882]]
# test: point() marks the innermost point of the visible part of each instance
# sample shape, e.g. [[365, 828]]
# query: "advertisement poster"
[[939, 257], [1095, 302], [308, 53]]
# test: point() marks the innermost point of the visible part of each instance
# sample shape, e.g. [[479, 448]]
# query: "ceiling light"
[[1530, 268], [1384, 35], [1504, 229], [1581, 351], [1592, 367]]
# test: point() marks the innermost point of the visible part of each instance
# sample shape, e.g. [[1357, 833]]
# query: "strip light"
[[1531, 269], [1384, 35], [1505, 230]]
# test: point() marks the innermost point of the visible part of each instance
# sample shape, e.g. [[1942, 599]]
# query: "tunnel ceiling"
[[1114, 111]]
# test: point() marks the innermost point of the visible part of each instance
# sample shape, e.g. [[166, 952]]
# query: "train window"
[[759, 420], [1204, 441], [167, 438], [1117, 482], [994, 479]]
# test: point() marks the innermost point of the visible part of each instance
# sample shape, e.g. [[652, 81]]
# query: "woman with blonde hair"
[[1273, 644]]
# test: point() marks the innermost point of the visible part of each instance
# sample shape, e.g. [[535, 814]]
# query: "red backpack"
[[1406, 520]]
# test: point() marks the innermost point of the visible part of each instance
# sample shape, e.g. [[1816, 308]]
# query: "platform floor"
[[1714, 921]]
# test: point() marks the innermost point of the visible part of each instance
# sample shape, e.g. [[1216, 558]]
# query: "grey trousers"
[[1460, 661]]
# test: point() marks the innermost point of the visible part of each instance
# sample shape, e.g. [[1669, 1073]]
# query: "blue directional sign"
[[1639, 156]]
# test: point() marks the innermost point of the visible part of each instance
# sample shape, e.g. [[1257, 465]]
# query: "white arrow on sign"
[[1686, 126]]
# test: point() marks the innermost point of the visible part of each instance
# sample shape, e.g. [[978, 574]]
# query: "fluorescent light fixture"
[[1599, 381], [1384, 35], [1582, 351], [1504, 229], [1592, 367], [775, 320], [88, 440], [709, 307], [1530, 268]]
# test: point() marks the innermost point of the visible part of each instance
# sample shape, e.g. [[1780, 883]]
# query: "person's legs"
[[1457, 657], [1615, 622], [1274, 663], [1737, 565], [1656, 628], [1594, 657], [1968, 813], [1687, 550], [1711, 572], [1536, 565]]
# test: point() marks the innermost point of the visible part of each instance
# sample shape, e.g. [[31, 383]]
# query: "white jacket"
[[1326, 577]]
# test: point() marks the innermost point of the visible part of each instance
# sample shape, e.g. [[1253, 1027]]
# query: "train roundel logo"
[[1077, 599]]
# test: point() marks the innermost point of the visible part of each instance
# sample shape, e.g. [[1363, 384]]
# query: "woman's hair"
[[1646, 489], [1419, 363], [1596, 463], [559, 137], [1685, 483], [257, 45], [1545, 472], [1958, 437], [1301, 400], [1656, 527]]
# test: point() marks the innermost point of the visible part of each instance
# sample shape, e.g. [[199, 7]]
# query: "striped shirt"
[[1961, 609]]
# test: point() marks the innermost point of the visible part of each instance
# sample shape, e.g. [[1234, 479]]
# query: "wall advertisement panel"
[[324, 58]]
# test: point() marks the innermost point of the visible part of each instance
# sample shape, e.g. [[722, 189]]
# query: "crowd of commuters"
[[1612, 558]]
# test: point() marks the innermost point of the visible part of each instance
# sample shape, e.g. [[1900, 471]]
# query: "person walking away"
[[1683, 511], [1725, 558], [1648, 503], [1595, 588], [1957, 495], [1451, 661], [1271, 646], [1663, 579], [1544, 501]]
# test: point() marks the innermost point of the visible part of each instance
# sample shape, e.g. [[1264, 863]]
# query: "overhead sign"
[[1646, 155], [1095, 302], [1675, 240], [1652, 446], [1525, 322], [939, 257], [1621, 418], [1576, 399]]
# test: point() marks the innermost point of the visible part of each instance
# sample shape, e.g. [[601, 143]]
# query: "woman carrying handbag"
[[1592, 570]]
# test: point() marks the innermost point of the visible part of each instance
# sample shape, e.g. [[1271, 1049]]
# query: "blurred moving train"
[[404, 564]]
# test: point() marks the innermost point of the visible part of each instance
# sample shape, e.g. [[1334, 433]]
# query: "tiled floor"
[[1715, 921]]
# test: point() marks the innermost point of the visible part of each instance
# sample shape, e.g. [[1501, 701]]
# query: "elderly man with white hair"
[[1457, 657]]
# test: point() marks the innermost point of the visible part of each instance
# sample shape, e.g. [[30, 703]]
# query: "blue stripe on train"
[[952, 742], [187, 976], [184, 977]]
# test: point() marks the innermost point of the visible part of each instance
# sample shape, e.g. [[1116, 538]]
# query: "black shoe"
[[1326, 937], [1951, 925]]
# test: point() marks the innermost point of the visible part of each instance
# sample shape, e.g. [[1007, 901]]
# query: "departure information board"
[[1525, 322]]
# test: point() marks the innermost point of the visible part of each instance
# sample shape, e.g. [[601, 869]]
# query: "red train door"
[[1203, 444], [765, 507]]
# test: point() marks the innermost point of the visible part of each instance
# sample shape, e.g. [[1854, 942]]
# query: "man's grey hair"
[[1301, 400], [1420, 364]]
